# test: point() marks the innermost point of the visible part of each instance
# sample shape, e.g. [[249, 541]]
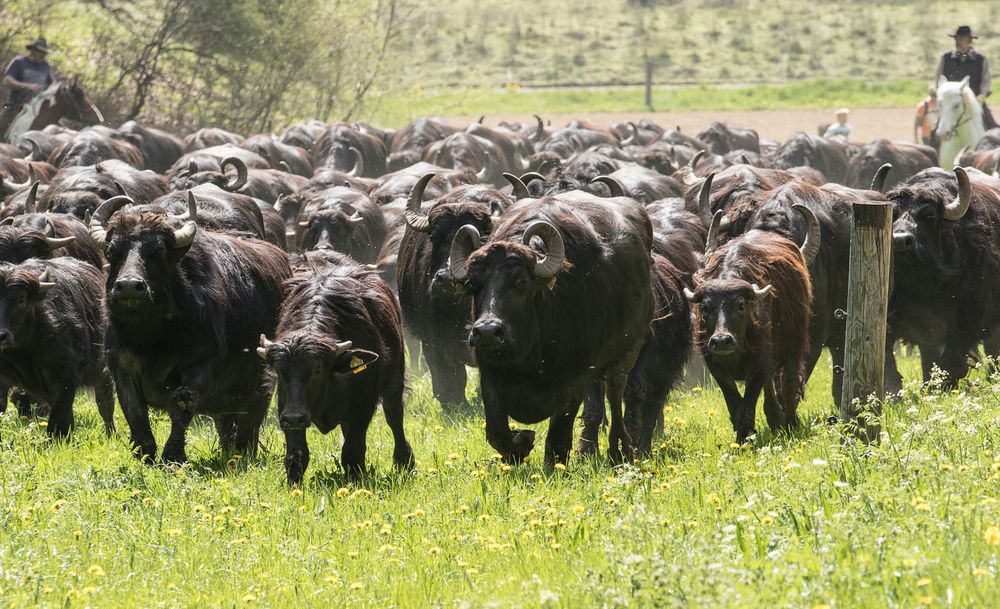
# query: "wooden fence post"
[[649, 83], [867, 304]]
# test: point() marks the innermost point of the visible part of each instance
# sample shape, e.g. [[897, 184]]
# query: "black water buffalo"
[[91, 146], [303, 135], [209, 137], [408, 143], [987, 161], [348, 149], [398, 184], [752, 323], [280, 155], [470, 153], [946, 270], [721, 138], [34, 235], [828, 270], [186, 308], [79, 190], [538, 348], [337, 352], [341, 219], [906, 159], [572, 140], [159, 149], [645, 185], [435, 309], [209, 159], [822, 154], [213, 208], [51, 337], [264, 184]]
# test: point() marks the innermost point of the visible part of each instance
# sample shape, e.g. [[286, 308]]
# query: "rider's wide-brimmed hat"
[[963, 30], [39, 45]]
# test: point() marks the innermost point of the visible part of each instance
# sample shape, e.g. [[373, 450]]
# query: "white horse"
[[961, 122]]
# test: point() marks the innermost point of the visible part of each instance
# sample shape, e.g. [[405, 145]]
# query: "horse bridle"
[[962, 118]]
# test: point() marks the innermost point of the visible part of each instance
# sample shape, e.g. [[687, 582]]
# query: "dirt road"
[[868, 123]]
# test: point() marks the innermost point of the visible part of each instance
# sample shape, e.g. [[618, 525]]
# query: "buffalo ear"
[[8, 221], [354, 361]]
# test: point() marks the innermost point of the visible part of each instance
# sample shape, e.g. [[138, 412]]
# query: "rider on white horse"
[[967, 66]]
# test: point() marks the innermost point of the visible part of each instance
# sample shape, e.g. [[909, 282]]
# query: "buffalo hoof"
[[174, 454], [403, 458], [523, 441]]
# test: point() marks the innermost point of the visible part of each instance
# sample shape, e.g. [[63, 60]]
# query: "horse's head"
[[65, 100], [958, 107]]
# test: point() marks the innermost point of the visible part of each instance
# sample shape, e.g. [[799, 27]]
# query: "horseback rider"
[[964, 61], [26, 75]]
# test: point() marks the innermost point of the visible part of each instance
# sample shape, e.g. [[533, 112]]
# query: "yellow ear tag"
[[552, 283], [357, 366]]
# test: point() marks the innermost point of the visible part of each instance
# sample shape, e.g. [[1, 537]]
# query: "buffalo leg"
[[733, 399], [225, 427], [392, 408], [247, 432], [61, 411], [620, 445], [772, 407], [930, 356], [296, 455], [791, 391], [174, 449], [104, 395], [593, 418], [447, 375], [559, 440], [747, 412], [137, 416], [352, 455], [513, 445], [4, 391]]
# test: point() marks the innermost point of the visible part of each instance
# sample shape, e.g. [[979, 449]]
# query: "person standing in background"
[[26, 75], [840, 127]]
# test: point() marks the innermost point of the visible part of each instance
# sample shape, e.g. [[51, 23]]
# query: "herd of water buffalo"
[[575, 265]]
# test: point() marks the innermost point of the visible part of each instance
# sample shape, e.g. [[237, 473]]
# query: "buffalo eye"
[[22, 298], [741, 305]]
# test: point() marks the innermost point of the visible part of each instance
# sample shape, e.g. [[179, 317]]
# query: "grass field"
[[800, 521]]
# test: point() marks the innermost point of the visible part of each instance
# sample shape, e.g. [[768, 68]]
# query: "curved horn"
[[552, 262], [192, 167], [617, 190], [810, 247], [29, 203], [99, 221], [12, 187], [262, 349], [744, 159], [241, 173], [633, 130], [413, 215], [342, 347], [36, 151], [120, 188], [760, 292], [44, 285], [878, 182], [355, 218], [695, 160], [954, 211], [481, 119], [712, 241], [688, 175], [359, 163], [279, 204], [184, 236], [484, 173], [466, 241], [55, 243], [32, 176], [520, 189], [704, 200], [284, 167], [539, 130], [531, 176]]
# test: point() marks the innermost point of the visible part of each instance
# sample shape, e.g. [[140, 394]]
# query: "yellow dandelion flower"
[[926, 600], [88, 589], [96, 571], [454, 457], [505, 468], [342, 492], [691, 524], [821, 606], [551, 511], [238, 542], [527, 534], [78, 533], [767, 520], [357, 586], [352, 554], [472, 571], [434, 550], [57, 505], [578, 509], [386, 529], [296, 492], [198, 508], [560, 466], [173, 532], [923, 582], [978, 571], [679, 422], [484, 517], [992, 535]]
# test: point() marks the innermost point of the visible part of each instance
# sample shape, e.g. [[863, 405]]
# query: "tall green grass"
[[805, 520], [807, 94]]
